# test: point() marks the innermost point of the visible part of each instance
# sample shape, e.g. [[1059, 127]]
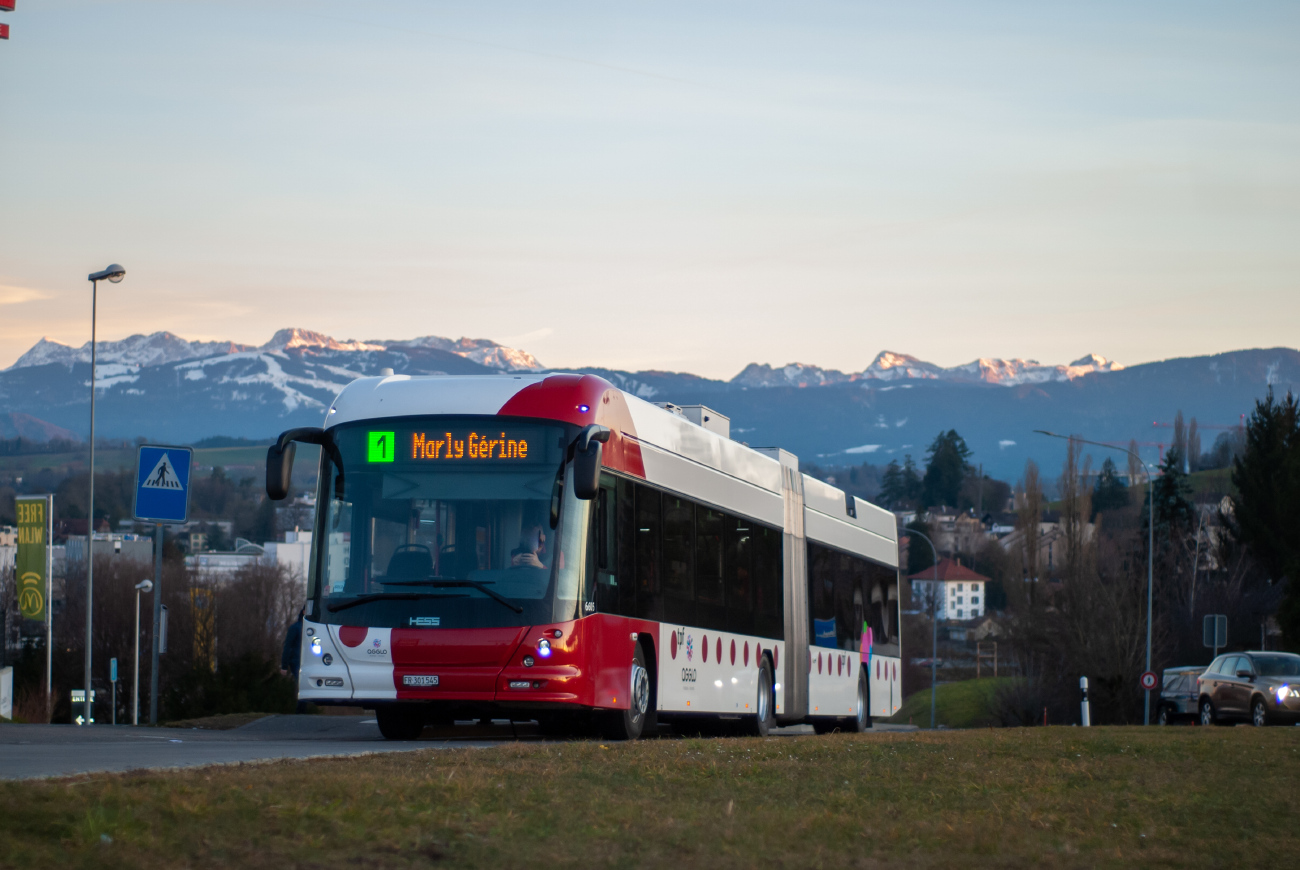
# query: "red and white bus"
[[553, 548]]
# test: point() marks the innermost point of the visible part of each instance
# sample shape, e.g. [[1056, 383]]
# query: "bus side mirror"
[[279, 470], [586, 461]]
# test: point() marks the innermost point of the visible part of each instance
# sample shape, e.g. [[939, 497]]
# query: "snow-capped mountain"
[[136, 350], [792, 375], [891, 366], [480, 350], [287, 339], [162, 348], [893, 408]]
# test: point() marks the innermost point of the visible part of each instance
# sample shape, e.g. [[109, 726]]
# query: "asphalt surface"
[[41, 751]]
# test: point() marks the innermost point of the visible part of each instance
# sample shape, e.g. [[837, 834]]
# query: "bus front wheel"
[[630, 723]]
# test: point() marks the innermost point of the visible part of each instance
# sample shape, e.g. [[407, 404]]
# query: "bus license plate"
[[420, 680]]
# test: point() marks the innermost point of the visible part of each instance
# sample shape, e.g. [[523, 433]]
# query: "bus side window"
[[604, 545], [768, 571], [738, 570], [677, 552], [625, 547], [649, 597]]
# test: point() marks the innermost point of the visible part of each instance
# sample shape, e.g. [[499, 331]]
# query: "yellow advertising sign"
[[30, 564]]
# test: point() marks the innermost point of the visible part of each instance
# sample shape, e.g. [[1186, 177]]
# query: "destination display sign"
[[462, 446]]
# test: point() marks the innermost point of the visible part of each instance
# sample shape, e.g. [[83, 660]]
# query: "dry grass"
[[1057, 797]]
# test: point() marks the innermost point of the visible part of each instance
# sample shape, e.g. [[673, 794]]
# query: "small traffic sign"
[[162, 483], [1149, 680], [112, 670], [1214, 630]]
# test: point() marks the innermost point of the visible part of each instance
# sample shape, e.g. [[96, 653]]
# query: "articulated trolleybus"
[[553, 548]]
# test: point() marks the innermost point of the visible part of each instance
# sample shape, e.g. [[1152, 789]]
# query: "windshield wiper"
[[386, 596], [458, 584]]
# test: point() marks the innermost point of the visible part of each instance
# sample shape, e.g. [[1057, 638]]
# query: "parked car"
[[1179, 695], [1261, 687]]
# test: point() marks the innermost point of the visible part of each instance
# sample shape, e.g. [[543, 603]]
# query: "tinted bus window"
[[678, 560], [625, 548], [737, 564], [649, 603], [769, 605]]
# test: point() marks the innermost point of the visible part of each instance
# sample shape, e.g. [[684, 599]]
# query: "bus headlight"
[[544, 648], [315, 646]]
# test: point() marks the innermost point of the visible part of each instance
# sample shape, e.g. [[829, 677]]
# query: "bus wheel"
[[764, 713], [628, 724], [862, 721], [396, 723]]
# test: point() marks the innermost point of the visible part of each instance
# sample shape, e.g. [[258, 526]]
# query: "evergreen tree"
[[1109, 493], [946, 469], [911, 482], [1174, 510], [1266, 512], [892, 488]]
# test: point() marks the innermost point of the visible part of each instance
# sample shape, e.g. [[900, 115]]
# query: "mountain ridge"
[[257, 392]]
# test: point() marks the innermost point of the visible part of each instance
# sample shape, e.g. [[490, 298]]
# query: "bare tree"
[[1029, 512], [1076, 507], [1193, 446], [1135, 474]]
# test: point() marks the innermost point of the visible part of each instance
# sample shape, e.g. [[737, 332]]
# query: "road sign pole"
[[157, 622], [162, 496]]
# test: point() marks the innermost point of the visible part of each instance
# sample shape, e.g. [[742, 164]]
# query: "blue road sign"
[[112, 670], [162, 483]]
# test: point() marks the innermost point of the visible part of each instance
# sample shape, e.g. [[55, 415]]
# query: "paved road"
[[38, 751], [30, 751]]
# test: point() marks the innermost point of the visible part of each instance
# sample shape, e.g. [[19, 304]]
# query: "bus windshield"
[[448, 523]]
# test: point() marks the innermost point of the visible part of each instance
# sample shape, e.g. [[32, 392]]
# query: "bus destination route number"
[[380, 447]]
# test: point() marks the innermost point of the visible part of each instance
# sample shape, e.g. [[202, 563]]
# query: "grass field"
[[1055, 797], [965, 704]]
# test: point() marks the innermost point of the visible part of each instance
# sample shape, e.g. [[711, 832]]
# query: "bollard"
[[1086, 714]]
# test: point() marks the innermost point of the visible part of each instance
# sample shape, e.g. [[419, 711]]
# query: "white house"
[[960, 591]]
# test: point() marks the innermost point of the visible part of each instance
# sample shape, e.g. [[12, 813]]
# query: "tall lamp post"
[[1151, 537], [934, 621], [113, 274], [142, 586]]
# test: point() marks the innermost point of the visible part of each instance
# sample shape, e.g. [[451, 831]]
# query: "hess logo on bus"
[[446, 446]]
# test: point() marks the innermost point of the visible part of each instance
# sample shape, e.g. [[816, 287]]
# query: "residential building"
[[961, 592]]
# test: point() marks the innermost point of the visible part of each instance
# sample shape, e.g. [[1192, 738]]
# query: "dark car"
[[1260, 687], [1179, 696]]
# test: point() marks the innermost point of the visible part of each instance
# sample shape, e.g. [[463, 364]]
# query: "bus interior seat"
[[410, 562]]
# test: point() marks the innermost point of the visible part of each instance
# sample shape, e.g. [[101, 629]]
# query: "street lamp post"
[[934, 622], [113, 274], [142, 586], [1151, 538]]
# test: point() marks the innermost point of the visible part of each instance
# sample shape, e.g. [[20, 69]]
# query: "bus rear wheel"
[[396, 723], [765, 702]]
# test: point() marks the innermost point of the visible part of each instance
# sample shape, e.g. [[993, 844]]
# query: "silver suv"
[[1262, 687]]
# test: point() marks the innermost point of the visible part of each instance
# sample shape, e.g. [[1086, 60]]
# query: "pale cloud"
[[11, 295], [535, 335]]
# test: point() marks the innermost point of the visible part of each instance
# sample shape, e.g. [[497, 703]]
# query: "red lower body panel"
[[588, 663]]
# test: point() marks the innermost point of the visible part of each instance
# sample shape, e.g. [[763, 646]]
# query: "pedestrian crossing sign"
[[162, 483]]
